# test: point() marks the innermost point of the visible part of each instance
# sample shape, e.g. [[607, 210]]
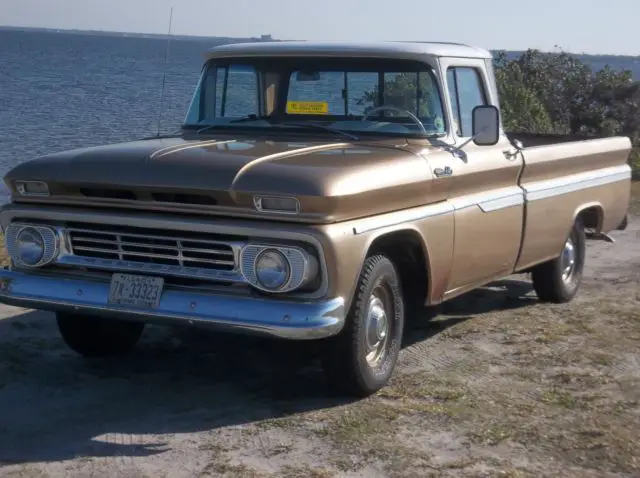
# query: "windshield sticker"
[[307, 107]]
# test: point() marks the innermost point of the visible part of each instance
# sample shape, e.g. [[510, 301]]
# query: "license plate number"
[[138, 291]]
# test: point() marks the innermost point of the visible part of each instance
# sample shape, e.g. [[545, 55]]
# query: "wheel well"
[[592, 217], [405, 249]]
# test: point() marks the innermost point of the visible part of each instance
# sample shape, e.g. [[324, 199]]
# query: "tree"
[[548, 93]]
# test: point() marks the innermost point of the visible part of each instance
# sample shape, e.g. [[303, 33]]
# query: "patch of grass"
[[226, 469], [290, 471], [424, 386], [360, 424], [558, 397], [366, 434], [491, 434]]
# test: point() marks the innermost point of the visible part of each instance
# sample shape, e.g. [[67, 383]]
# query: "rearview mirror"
[[307, 76], [485, 125]]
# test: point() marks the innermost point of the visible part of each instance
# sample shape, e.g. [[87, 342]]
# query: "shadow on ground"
[[54, 405]]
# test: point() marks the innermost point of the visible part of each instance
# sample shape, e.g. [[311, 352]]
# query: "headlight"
[[279, 269], [272, 269], [30, 246]]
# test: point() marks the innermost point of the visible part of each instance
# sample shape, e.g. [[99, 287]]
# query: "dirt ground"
[[496, 384]]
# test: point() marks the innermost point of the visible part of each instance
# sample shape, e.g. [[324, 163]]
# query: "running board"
[[600, 236]]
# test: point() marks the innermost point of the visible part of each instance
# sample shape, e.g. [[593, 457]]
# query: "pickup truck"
[[315, 191]]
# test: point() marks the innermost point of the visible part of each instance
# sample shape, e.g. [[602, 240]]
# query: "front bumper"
[[252, 315]]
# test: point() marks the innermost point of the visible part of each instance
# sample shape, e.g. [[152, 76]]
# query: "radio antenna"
[[164, 71]]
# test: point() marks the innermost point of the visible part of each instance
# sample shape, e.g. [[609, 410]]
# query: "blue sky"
[[588, 26]]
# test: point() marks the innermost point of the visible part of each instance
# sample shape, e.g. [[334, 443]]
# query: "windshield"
[[330, 93]]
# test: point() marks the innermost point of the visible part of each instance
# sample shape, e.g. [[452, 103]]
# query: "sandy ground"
[[495, 384]]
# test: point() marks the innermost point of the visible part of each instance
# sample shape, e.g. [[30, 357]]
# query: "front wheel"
[[96, 336], [558, 280], [361, 359]]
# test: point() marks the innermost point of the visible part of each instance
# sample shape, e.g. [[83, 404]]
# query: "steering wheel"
[[397, 110]]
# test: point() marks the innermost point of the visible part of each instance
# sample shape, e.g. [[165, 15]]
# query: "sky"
[[585, 26]]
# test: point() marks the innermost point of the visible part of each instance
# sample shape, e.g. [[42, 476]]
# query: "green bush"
[[557, 93], [635, 164]]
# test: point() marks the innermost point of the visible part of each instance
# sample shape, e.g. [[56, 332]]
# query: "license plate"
[[138, 291]]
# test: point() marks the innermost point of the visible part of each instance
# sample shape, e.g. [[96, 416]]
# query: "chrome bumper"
[[271, 317]]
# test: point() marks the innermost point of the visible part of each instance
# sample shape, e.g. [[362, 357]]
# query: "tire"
[[94, 337], [352, 366], [558, 280]]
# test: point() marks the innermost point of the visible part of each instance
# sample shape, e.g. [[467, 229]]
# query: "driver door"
[[483, 186]]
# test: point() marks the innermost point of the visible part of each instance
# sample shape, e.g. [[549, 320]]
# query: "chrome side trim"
[[285, 319], [401, 217], [492, 200], [555, 187], [175, 148], [487, 201], [503, 202], [503, 198], [280, 155]]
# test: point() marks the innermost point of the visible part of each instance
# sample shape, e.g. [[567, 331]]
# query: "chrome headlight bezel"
[[50, 241], [302, 266]]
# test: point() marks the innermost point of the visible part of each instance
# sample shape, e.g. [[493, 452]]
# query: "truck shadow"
[[507, 294], [55, 406]]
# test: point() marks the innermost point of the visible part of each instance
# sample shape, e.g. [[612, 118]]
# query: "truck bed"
[[530, 140]]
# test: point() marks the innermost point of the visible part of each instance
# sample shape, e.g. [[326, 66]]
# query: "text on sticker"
[[308, 107]]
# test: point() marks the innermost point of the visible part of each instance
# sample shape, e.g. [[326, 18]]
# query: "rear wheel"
[[361, 359], [559, 279], [96, 336]]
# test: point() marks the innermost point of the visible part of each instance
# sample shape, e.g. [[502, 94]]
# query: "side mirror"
[[485, 125]]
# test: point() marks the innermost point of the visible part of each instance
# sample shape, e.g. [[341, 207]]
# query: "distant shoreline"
[[153, 36], [262, 38]]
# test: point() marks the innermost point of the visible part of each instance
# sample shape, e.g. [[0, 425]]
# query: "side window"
[[240, 97], [465, 93]]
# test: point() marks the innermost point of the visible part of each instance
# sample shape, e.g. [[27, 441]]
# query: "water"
[[60, 91]]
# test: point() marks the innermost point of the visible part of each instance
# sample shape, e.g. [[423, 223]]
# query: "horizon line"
[[261, 37]]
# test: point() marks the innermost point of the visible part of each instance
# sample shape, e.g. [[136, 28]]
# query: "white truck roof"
[[389, 49]]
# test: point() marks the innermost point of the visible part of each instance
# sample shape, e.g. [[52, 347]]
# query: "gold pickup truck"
[[315, 191]]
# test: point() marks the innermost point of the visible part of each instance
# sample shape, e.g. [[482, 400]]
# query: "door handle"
[[439, 172], [510, 154]]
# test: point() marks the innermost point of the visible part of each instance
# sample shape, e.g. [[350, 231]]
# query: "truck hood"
[[333, 180]]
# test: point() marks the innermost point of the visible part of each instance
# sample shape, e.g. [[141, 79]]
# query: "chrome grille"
[[162, 248]]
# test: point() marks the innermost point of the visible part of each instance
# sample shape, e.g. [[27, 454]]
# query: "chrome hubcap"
[[568, 260], [377, 330]]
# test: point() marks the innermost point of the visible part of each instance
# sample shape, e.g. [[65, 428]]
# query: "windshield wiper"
[[206, 128], [243, 119], [324, 128], [250, 117]]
